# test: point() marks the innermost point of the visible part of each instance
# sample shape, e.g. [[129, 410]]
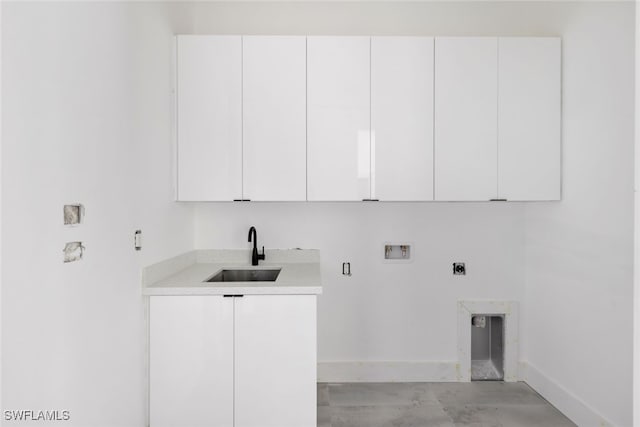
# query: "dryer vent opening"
[[487, 347]]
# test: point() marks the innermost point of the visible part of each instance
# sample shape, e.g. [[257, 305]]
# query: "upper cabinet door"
[[402, 118], [274, 118], [338, 118], [529, 126], [466, 118], [209, 118]]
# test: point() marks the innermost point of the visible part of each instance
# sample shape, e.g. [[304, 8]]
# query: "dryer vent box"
[[487, 347]]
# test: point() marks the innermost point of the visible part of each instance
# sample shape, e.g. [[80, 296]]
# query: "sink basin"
[[245, 276]]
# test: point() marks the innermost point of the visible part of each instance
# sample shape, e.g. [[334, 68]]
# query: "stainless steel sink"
[[245, 276]]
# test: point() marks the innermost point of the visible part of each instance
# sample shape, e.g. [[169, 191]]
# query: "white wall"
[[636, 264], [580, 250], [579, 253], [87, 119], [386, 312], [1, 206]]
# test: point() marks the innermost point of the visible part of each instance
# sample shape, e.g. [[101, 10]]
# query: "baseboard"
[[569, 404], [388, 371]]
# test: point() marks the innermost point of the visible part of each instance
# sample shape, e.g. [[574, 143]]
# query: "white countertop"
[[186, 274]]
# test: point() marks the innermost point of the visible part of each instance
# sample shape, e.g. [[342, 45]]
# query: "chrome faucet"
[[255, 256]]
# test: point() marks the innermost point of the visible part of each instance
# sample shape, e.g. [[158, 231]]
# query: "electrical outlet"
[[459, 269]]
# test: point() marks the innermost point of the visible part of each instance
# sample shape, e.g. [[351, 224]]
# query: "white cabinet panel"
[[338, 142], [274, 118], [466, 118], [529, 118], [402, 118], [209, 117], [191, 361], [275, 368]]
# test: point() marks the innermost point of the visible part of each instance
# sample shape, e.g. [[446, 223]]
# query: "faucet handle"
[[261, 256]]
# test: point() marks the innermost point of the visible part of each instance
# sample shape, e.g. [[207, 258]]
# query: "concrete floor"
[[476, 404]]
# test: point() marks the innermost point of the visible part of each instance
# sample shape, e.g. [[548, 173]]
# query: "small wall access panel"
[[487, 347]]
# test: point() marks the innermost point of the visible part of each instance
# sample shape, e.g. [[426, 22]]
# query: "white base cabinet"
[[275, 361], [191, 361], [232, 361]]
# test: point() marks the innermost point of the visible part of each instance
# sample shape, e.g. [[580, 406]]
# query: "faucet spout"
[[253, 231], [255, 256]]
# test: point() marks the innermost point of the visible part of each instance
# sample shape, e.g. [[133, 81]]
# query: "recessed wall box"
[[397, 252], [487, 347], [73, 214], [73, 251]]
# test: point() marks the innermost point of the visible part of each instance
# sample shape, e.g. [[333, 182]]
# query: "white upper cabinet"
[[402, 118], [289, 118], [466, 107], [529, 118], [338, 118], [209, 118], [274, 118]]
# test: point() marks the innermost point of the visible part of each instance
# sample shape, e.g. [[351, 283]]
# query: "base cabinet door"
[[275, 354], [191, 361]]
